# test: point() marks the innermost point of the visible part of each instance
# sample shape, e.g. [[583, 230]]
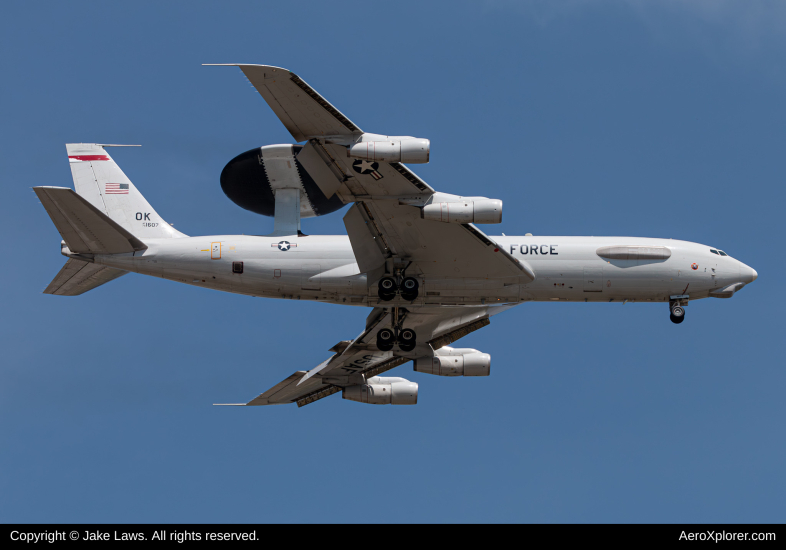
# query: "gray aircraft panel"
[[436, 249], [77, 277], [411, 253], [302, 110], [83, 227], [377, 179], [360, 359]]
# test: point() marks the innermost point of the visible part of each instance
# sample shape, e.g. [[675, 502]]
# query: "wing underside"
[[359, 359], [302, 110], [387, 233]]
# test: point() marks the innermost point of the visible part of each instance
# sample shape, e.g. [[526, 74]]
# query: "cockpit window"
[[713, 251], [722, 253]]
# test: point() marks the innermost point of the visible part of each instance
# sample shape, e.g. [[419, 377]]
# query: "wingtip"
[[247, 65]]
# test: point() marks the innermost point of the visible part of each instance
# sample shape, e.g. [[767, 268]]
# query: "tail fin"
[[85, 230], [103, 184]]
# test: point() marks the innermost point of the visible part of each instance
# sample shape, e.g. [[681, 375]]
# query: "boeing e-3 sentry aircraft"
[[411, 253]]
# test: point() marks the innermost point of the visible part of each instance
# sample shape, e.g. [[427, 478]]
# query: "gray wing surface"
[[355, 360], [304, 112], [383, 224], [382, 229]]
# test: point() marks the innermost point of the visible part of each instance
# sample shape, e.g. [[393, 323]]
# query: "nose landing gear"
[[677, 313]]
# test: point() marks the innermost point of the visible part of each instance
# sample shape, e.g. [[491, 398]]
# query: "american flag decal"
[[116, 188]]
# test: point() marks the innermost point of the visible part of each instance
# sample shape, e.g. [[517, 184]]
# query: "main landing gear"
[[389, 287], [406, 338]]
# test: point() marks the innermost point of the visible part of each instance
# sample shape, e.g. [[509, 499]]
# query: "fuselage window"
[[722, 253], [713, 251]]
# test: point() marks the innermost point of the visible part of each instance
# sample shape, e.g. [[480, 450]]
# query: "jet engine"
[[406, 150], [455, 362], [251, 180], [472, 210], [379, 390]]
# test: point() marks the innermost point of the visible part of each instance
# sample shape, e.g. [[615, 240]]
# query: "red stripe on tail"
[[89, 157]]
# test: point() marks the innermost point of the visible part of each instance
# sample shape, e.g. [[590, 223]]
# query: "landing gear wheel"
[[407, 339], [387, 288], [409, 289], [677, 314], [385, 339]]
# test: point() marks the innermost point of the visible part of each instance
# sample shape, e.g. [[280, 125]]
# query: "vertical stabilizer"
[[103, 184]]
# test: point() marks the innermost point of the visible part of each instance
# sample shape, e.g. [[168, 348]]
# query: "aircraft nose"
[[749, 274]]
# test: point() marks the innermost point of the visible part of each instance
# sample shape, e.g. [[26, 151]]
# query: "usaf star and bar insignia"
[[284, 245], [367, 167]]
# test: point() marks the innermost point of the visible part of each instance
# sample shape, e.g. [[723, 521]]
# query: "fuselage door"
[[215, 251], [593, 279]]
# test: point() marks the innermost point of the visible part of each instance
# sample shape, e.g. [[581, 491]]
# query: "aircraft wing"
[[304, 112], [381, 225], [309, 116], [384, 223], [380, 229], [354, 361]]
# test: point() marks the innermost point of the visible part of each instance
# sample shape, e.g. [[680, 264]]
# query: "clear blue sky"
[[657, 119]]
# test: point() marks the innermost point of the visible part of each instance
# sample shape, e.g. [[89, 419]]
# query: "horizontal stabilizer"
[[77, 277], [84, 228]]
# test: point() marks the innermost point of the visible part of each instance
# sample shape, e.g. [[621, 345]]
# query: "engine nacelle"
[[455, 362], [383, 391], [408, 151], [466, 211]]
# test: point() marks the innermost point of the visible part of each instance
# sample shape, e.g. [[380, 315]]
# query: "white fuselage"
[[323, 268]]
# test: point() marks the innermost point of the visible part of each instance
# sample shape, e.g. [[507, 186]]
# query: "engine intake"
[[455, 362], [410, 151], [383, 391], [466, 211]]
